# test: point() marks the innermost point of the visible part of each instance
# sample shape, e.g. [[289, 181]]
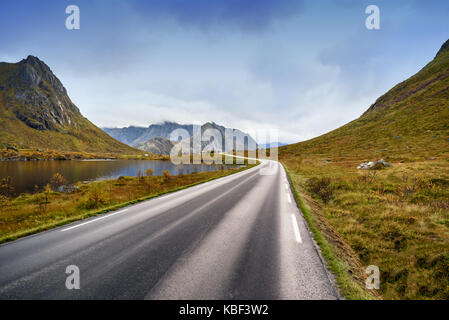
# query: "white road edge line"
[[296, 229], [286, 186], [289, 199], [105, 216]]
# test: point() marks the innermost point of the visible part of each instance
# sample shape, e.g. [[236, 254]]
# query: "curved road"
[[237, 237]]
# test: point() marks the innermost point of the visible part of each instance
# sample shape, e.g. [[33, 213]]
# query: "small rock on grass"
[[374, 165]]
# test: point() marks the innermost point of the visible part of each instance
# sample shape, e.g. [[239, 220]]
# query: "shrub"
[[166, 174], [95, 198], [3, 200], [6, 187], [140, 176], [121, 181], [56, 181], [321, 187], [43, 199], [377, 166]]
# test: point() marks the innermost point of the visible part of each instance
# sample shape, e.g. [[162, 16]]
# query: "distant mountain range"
[[37, 113], [156, 137], [158, 145]]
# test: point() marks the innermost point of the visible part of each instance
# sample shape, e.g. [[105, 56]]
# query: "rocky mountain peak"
[[37, 113], [36, 96], [35, 72]]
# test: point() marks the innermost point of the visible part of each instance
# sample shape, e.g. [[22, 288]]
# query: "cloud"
[[244, 15], [303, 67]]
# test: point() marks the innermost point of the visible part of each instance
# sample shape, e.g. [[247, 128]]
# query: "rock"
[[373, 165], [366, 165], [158, 145], [385, 163], [67, 188]]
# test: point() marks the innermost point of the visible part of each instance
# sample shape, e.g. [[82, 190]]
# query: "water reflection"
[[26, 174]]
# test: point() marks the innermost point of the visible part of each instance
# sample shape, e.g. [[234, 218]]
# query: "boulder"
[[373, 165]]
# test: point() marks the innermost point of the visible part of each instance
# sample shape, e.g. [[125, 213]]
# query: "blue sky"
[[301, 67]]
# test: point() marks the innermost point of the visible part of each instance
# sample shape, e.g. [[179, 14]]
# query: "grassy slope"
[[413, 114], [82, 137], [86, 138], [397, 218]]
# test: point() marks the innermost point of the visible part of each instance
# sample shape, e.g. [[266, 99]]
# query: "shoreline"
[[53, 155], [53, 208]]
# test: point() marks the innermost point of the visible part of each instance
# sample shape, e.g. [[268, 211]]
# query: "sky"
[[300, 67]]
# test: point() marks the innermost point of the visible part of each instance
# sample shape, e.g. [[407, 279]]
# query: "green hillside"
[[36, 113], [396, 218], [410, 121]]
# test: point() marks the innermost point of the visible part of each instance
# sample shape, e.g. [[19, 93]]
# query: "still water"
[[26, 174]]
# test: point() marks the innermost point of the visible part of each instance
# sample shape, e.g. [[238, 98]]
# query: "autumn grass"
[[396, 218], [339, 266], [32, 213], [39, 154]]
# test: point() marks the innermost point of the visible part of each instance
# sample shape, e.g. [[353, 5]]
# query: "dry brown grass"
[[396, 218], [38, 154]]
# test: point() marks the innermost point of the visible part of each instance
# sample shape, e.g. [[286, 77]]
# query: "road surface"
[[237, 237]]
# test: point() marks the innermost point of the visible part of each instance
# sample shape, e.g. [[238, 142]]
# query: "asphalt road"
[[237, 237]]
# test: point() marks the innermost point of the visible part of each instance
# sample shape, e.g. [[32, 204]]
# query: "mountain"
[[242, 141], [139, 137], [411, 120], [161, 130], [36, 112], [126, 135], [134, 136], [158, 145]]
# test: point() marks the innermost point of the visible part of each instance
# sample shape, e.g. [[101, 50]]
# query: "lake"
[[26, 174]]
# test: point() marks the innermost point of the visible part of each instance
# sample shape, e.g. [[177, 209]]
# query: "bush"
[[121, 181], [322, 188], [43, 199], [3, 200], [95, 198], [56, 181], [140, 176], [6, 187], [166, 174]]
